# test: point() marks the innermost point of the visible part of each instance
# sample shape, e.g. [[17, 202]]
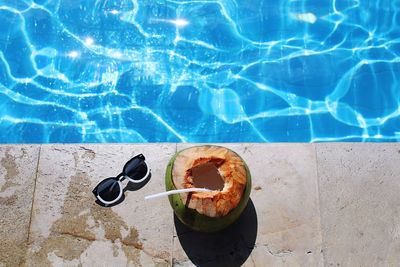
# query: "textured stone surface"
[[285, 197], [358, 196], [18, 166], [69, 228], [360, 203]]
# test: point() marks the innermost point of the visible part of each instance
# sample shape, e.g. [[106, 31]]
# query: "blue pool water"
[[199, 71]]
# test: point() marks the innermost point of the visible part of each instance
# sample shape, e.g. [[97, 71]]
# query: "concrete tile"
[[285, 197], [360, 203], [69, 228], [18, 164]]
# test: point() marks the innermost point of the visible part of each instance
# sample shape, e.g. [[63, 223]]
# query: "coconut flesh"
[[213, 167]]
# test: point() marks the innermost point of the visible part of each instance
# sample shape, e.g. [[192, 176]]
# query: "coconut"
[[215, 210]]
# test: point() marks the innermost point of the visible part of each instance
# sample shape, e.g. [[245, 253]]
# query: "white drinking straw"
[[177, 191]]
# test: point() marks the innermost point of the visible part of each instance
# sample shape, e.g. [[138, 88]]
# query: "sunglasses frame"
[[119, 178], [129, 178], [105, 202]]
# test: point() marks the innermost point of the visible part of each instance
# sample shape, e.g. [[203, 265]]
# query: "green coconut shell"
[[199, 222]]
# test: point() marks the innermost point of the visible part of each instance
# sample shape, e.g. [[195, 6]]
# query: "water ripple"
[[199, 71]]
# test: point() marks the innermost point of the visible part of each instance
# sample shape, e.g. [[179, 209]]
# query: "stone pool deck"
[[333, 204]]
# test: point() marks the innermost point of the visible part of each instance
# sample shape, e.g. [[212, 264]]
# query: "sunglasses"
[[110, 189]]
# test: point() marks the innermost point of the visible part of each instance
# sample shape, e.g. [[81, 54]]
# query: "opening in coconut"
[[213, 167]]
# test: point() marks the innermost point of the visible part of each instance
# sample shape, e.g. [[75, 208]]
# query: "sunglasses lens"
[[109, 189], [135, 169]]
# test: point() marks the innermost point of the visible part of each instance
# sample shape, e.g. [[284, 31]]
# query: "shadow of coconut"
[[228, 247]]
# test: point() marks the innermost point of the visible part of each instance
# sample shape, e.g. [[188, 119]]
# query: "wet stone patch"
[[70, 228]]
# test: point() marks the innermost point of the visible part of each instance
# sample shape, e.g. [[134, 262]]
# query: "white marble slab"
[[285, 197], [69, 228], [18, 165], [360, 203]]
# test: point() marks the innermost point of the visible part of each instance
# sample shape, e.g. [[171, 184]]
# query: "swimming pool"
[[199, 71]]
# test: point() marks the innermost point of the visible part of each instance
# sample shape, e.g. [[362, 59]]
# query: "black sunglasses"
[[110, 189]]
